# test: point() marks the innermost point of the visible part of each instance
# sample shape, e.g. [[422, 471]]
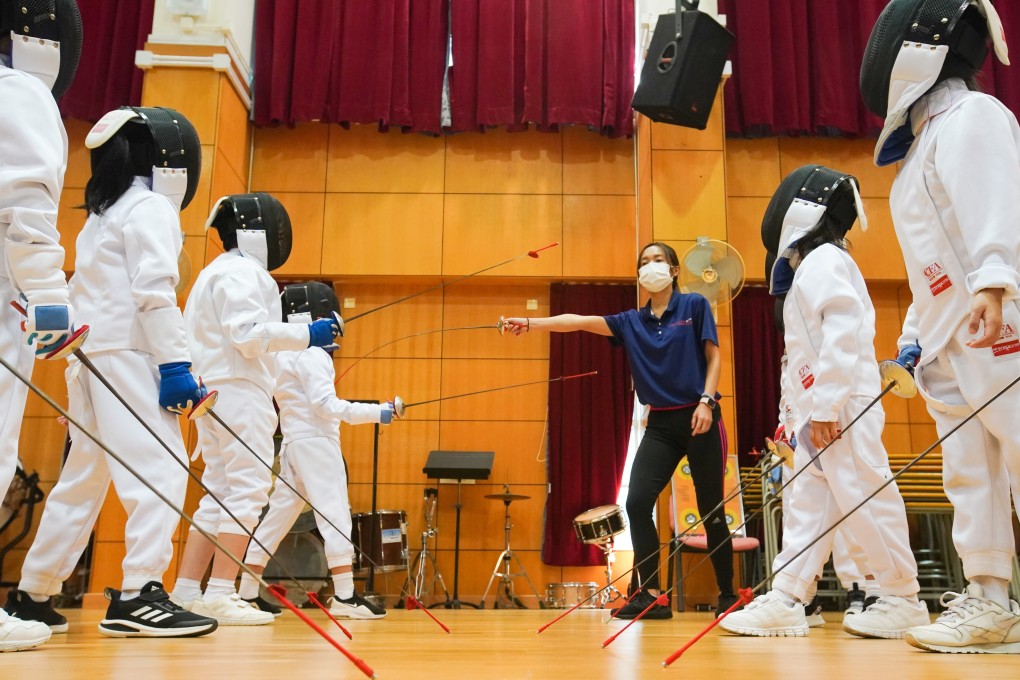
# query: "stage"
[[491, 644]]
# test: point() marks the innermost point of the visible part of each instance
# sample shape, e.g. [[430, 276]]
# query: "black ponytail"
[[829, 230]]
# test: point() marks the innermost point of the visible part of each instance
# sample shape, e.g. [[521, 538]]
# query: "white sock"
[[188, 590], [249, 589], [784, 597], [812, 590], [996, 589], [130, 594], [872, 589], [343, 585], [217, 588]]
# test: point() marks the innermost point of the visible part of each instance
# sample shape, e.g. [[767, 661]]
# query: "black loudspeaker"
[[679, 78]]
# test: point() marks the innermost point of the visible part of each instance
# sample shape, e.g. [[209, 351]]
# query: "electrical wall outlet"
[[348, 303], [531, 305]]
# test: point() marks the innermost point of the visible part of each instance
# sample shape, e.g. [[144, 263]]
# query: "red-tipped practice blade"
[[314, 598], [534, 253], [746, 595]]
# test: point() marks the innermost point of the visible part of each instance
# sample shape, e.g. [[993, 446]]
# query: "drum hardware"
[[458, 465], [415, 582], [565, 595], [24, 493], [505, 590], [598, 526]]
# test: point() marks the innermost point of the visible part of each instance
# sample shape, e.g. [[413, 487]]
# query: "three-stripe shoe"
[[151, 614]]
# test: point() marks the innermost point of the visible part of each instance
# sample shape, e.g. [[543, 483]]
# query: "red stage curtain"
[[757, 352], [543, 62], [796, 65], [351, 61], [589, 420], [107, 77]]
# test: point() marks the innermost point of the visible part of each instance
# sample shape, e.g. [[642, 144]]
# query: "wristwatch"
[[708, 400]]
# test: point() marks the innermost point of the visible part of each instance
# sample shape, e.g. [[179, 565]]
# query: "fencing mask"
[[802, 200], [915, 45], [46, 39], [257, 224]]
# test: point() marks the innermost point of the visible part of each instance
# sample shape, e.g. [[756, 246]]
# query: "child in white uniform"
[[953, 205], [233, 326], [310, 457], [830, 328], [123, 287]]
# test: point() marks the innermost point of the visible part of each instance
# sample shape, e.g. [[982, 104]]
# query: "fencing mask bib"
[[46, 39]]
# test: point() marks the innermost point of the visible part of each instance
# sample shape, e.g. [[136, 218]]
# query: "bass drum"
[[380, 541]]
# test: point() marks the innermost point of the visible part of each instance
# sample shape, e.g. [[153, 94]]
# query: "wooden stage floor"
[[500, 645]]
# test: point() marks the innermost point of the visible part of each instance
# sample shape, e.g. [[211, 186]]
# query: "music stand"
[[458, 465]]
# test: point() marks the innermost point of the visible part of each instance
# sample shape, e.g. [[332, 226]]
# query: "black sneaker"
[[638, 604], [855, 601], [727, 600], [355, 607], [265, 605], [151, 614], [21, 605]]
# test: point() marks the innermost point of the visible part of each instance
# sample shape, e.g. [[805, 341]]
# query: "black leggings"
[[667, 440]]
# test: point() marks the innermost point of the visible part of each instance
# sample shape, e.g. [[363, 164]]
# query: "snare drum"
[[566, 595], [382, 537], [599, 524]]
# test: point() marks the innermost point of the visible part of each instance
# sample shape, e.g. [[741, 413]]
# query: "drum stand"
[[414, 585], [609, 593], [506, 576]]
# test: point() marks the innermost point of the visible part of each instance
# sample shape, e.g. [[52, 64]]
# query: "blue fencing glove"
[[390, 410], [178, 389], [323, 332], [909, 356]]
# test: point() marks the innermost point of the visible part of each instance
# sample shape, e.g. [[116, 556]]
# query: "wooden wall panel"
[[480, 304], [689, 194], [306, 213], [413, 379], [193, 217], [193, 92], [482, 229], [461, 376], [225, 182], [846, 155], [366, 336], [70, 220], [380, 234], [520, 447], [363, 160], [403, 446], [744, 233], [79, 163], [876, 251], [290, 159], [233, 133], [48, 376], [591, 222], [596, 165], [500, 162], [752, 167]]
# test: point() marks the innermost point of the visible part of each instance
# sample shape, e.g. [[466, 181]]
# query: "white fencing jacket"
[[233, 319], [307, 397], [955, 209], [33, 158], [125, 273], [830, 336]]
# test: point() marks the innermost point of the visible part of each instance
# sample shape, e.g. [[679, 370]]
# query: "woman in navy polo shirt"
[[674, 357]]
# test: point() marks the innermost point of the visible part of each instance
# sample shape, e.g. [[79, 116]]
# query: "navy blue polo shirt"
[[667, 355]]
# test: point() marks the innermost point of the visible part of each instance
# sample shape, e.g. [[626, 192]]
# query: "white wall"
[[234, 16]]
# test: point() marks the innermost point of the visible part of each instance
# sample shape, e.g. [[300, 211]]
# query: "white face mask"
[[654, 276]]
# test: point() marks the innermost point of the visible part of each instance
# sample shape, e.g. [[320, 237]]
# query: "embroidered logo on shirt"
[[1008, 343], [807, 378], [682, 322], [938, 280]]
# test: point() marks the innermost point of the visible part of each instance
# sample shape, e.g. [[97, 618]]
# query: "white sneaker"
[[814, 617], [768, 615], [355, 607], [16, 634], [889, 617], [231, 610], [184, 604], [971, 625]]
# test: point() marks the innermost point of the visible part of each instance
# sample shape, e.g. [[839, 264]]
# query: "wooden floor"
[[488, 644]]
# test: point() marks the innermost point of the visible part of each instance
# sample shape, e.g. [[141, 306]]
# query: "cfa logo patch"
[[938, 280], [1008, 342], [807, 378]]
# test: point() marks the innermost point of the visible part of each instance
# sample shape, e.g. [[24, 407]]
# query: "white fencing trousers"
[[13, 392], [232, 473], [852, 469], [979, 459], [73, 505], [315, 467], [848, 560]]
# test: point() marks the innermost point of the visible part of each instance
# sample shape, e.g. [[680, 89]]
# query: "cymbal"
[[507, 497]]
